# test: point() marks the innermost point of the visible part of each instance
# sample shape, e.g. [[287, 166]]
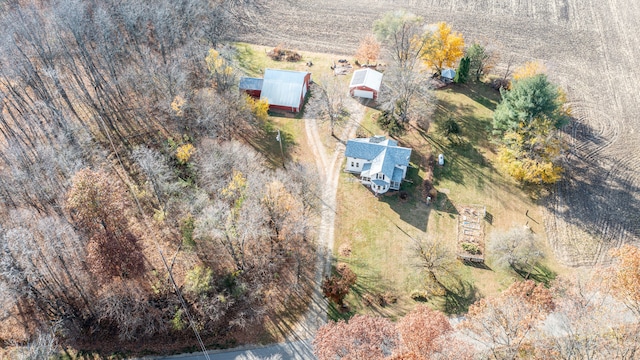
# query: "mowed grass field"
[[379, 231]]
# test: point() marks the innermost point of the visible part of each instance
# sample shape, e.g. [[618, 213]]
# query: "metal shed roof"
[[249, 83], [283, 87], [448, 73], [366, 77]]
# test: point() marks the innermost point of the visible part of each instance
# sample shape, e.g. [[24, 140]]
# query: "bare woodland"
[[132, 209]]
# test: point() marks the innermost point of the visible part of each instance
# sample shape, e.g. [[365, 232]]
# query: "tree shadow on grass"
[[444, 204], [458, 296], [481, 93], [266, 144], [409, 201], [540, 273], [477, 265], [371, 294], [335, 313]]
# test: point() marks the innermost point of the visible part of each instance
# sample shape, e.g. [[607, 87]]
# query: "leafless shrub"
[[125, 305]]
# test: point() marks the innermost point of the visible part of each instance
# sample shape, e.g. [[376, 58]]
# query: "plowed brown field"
[[590, 47]]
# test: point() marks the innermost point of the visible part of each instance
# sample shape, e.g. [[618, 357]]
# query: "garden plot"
[[471, 233]]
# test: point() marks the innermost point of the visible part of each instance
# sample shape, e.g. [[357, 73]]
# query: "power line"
[[164, 261]]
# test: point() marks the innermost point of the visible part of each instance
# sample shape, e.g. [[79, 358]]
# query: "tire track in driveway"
[[316, 316], [313, 137]]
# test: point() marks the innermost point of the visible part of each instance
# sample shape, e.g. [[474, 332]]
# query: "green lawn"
[[379, 231], [252, 60]]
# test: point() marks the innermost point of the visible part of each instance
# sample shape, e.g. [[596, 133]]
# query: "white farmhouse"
[[381, 163]]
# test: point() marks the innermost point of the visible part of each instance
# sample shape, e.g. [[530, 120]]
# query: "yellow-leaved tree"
[[528, 120], [532, 153], [444, 48], [259, 108], [184, 152], [529, 69], [177, 105], [625, 276], [223, 74]]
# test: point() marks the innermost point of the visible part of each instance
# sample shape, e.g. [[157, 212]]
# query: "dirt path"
[[590, 48], [329, 166]]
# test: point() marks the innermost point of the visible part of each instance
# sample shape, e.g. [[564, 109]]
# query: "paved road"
[[296, 350]]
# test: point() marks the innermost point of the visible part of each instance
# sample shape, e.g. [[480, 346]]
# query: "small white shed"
[[365, 83]]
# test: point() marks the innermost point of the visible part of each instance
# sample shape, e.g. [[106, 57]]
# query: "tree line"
[[123, 161]]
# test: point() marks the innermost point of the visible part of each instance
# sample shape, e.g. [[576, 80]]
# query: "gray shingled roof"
[[384, 155], [366, 77], [283, 87]]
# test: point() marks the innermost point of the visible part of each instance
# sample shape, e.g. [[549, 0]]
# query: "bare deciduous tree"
[[369, 50], [402, 35], [328, 101], [156, 167], [435, 260], [505, 323], [517, 249], [43, 346], [407, 95]]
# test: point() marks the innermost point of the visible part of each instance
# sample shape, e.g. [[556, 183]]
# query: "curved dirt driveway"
[[329, 165], [590, 48]]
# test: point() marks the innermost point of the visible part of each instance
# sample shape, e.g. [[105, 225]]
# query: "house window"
[[352, 164], [357, 164]]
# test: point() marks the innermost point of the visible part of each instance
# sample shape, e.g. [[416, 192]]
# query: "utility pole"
[[279, 138]]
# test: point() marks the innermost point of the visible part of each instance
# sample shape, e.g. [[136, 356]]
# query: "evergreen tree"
[[463, 71]]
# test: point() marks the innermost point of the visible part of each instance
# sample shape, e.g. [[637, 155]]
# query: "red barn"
[[365, 83], [283, 89]]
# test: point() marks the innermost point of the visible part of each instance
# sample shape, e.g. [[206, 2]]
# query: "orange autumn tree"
[[529, 69], [625, 276], [100, 207], [337, 286], [505, 323], [420, 328], [361, 337], [369, 50], [422, 334], [444, 48], [427, 334]]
